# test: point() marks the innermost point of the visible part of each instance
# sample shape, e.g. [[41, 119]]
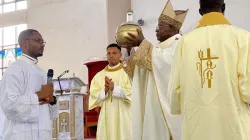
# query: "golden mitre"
[[170, 16]]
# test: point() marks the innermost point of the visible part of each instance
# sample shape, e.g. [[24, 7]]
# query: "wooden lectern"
[[69, 124], [91, 116]]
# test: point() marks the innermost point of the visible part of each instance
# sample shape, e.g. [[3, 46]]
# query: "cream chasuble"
[[210, 81], [150, 67], [115, 117]]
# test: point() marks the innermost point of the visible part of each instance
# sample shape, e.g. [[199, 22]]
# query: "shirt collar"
[[169, 42], [28, 59], [213, 18], [114, 67]]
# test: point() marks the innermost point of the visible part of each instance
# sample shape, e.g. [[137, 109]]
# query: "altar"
[[70, 122]]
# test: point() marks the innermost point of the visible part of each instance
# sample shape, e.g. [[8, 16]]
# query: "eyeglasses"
[[39, 41]]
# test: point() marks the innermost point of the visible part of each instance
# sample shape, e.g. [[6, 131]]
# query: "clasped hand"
[[45, 95], [109, 85]]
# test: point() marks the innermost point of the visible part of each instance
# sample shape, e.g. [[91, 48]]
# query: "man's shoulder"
[[124, 73], [215, 29], [99, 74], [240, 31], [19, 63], [16, 67]]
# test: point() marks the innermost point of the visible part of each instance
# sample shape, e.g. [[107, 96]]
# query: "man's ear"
[[200, 11], [223, 8]]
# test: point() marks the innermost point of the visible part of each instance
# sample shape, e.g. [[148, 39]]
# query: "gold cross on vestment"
[[207, 73]]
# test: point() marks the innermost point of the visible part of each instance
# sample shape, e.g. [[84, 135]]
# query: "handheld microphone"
[[50, 75]]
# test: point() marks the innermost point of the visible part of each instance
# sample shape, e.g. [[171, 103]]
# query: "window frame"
[[2, 3], [3, 47]]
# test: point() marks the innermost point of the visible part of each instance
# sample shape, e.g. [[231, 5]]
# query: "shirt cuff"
[[118, 92], [102, 96], [34, 99]]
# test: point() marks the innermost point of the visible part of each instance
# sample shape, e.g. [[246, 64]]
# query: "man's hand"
[[106, 85], [109, 85], [46, 92], [127, 46], [51, 100], [135, 40]]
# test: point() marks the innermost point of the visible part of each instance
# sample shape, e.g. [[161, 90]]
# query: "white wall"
[[149, 10], [116, 15], [13, 18], [75, 30]]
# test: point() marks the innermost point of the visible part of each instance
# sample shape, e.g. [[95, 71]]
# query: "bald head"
[[25, 35], [207, 6], [31, 42]]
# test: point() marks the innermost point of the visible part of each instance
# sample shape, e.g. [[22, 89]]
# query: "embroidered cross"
[[207, 73]]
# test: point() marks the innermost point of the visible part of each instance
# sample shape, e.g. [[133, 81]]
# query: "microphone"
[[67, 71], [50, 75]]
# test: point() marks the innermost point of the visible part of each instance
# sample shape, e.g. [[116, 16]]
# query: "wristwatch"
[[55, 101]]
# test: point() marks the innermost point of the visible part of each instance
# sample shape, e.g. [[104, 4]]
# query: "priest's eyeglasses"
[[39, 41]]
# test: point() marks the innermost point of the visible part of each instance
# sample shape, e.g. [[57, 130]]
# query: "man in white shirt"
[[1, 122], [26, 100]]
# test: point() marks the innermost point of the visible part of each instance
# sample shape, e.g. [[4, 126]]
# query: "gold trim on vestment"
[[55, 129], [171, 16], [141, 58], [206, 73], [72, 114], [160, 100], [213, 18], [143, 55], [113, 70], [145, 98], [170, 21], [130, 68], [161, 106]]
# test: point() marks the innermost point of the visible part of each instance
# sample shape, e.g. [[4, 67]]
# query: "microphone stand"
[[60, 85], [58, 78]]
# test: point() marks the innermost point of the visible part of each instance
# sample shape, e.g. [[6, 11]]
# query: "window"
[[9, 49], [12, 5]]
